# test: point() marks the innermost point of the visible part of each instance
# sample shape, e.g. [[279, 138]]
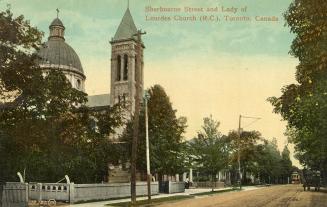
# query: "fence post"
[[71, 193], [169, 187], [26, 193], [1, 193], [39, 189]]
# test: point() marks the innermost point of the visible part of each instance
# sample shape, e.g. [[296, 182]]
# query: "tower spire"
[[57, 12], [127, 4]]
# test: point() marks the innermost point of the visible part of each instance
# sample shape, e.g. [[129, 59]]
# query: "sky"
[[223, 69]]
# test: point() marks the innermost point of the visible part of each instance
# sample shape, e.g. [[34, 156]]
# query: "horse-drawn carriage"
[[311, 178]]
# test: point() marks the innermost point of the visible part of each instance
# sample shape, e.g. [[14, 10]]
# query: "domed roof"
[[56, 22], [58, 54]]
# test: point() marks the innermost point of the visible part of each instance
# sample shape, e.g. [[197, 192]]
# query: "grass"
[[107, 199], [157, 201], [97, 200], [154, 201], [213, 192]]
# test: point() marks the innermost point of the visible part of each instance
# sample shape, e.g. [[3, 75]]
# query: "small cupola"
[[57, 28]]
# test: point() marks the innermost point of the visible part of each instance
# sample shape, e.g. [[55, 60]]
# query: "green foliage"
[[211, 149], [261, 158], [45, 128], [269, 168], [286, 164], [165, 135], [304, 105], [248, 150], [18, 41]]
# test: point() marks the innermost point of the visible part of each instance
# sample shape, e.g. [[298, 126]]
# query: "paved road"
[[274, 196]]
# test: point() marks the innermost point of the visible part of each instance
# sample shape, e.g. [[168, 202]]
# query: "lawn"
[[154, 201]]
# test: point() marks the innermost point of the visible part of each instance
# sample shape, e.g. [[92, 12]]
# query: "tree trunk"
[[212, 182]]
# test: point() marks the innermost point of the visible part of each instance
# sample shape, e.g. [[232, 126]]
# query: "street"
[[273, 196]]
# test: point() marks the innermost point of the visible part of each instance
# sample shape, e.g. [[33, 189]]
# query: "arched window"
[[118, 68], [78, 84], [125, 67]]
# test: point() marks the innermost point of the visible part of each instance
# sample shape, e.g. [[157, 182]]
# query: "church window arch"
[[125, 67], [79, 84], [118, 68]]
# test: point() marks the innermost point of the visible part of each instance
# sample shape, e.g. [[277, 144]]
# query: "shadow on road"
[[322, 190], [318, 199]]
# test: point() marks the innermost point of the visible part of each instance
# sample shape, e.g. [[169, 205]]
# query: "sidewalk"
[[187, 192]]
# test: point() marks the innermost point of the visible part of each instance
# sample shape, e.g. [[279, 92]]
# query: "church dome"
[[56, 53]]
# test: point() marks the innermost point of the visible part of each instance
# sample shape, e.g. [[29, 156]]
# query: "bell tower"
[[124, 61]]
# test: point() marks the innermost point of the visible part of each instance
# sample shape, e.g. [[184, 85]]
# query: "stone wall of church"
[[77, 81], [123, 90]]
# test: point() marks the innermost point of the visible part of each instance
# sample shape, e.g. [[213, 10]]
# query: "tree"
[[45, 128], [248, 151], [18, 41], [165, 135], [211, 149], [269, 162], [303, 105], [286, 165]]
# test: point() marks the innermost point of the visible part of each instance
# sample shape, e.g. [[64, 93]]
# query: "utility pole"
[[239, 145], [239, 152], [148, 177], [138, 92]]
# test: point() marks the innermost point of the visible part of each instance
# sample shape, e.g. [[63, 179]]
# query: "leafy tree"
[[45, 128], [18, 41], [286, 165], [211, 149], [304, 104], [165, 135], [248, 151], [269, 162]]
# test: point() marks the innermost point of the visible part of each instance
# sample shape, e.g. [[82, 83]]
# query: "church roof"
[[98, 100], [56, 53], [126, 28], [56, 22]]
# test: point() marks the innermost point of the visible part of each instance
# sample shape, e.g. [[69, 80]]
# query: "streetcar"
[[295, 178]]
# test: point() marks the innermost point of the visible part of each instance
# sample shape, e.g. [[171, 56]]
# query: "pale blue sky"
[[91, 24], [224, 69]]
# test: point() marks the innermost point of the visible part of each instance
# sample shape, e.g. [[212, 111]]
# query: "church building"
[[57, 54], [123, 67]]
